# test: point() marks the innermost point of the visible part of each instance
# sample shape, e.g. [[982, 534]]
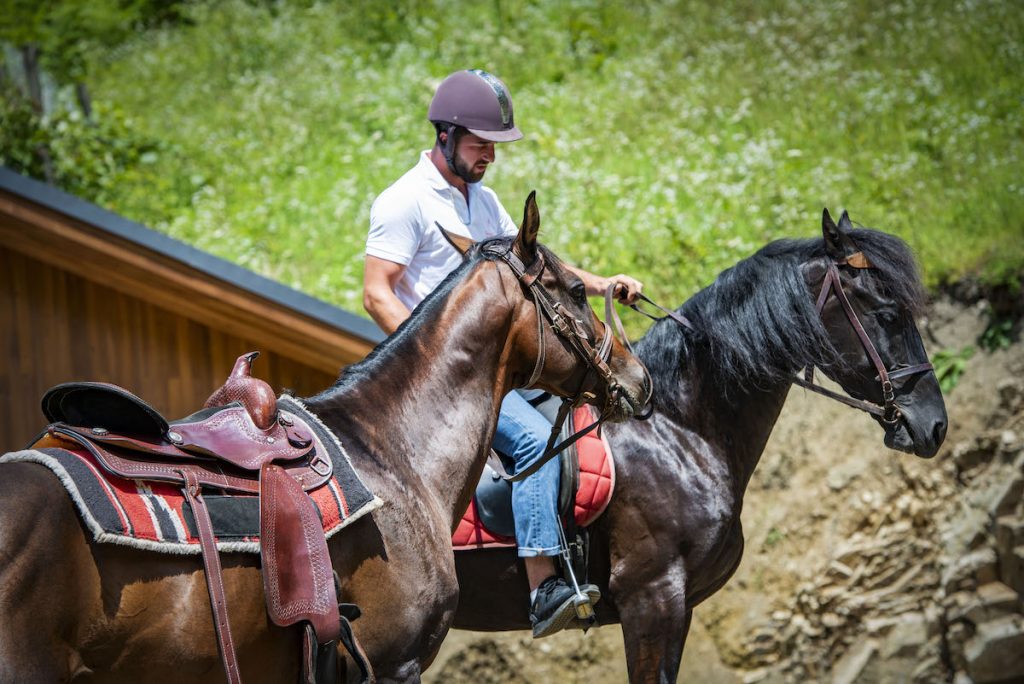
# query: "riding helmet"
[[477, 101]]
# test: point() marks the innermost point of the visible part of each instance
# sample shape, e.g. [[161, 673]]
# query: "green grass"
[[668, 140]]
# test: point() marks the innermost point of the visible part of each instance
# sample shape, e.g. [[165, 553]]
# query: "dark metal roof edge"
[[57, 200]]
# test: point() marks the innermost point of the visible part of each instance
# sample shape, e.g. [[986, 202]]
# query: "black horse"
[[671, 536]]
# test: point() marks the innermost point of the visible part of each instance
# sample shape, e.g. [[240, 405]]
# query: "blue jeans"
[[521, 437]]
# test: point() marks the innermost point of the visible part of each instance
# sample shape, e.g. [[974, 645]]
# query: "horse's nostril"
[[939, 431]]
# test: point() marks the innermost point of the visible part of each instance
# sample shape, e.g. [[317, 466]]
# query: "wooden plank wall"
[[58, 327]]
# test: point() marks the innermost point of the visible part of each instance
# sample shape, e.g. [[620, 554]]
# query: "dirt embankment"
[[862, 564]]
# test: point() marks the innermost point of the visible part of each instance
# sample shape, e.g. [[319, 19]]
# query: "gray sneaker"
[[554, 608]]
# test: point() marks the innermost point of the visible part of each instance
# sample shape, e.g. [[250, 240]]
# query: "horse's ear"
[[838, 244], [844, 222], [460, 243], [526, 241]]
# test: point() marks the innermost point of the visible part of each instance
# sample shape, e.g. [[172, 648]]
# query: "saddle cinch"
[[243, 441]]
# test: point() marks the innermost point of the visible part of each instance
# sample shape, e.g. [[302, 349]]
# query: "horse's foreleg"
[[655, 622]]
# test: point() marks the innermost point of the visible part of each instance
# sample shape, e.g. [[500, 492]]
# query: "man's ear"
[[838, 244], [460, 243], [526, 241]]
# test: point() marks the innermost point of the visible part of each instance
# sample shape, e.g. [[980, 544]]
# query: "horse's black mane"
[[487, 250], [756, 324]]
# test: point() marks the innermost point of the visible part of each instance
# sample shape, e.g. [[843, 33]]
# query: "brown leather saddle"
[[243, 441]]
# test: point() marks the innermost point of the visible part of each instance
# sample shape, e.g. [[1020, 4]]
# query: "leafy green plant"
[[950, 365], [774, 536], [106, 160], [667, 140], [997, 334]]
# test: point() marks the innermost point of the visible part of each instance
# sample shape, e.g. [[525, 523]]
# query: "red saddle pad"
[[597, 481]]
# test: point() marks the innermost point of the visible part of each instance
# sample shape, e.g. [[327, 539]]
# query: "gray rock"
[[989, 602], [1007, 495], [956, 637], [809, 630], [906, 637], [755, 676], [929, 668], [844, 472], [996, 652], [831, 620], [1011, 393], [966, 532], [970, 454], [880, 626], [1009, 443], [934, 621], [970, 571], [838, 570], [1011, 568], [1009, 531], [849, 668]]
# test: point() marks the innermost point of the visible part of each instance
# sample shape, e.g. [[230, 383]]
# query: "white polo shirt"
[[402, 226]]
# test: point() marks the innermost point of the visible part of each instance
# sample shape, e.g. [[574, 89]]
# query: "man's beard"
[[465, 171]]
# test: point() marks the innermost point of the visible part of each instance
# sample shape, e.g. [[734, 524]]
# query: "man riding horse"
[[407, 257]]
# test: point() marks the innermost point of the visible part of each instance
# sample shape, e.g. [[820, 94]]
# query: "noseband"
[[887, 411]]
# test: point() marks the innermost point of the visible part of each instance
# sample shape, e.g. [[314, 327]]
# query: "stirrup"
[[581, 602]]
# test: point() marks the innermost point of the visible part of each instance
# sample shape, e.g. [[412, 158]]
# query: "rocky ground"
[[862, 564]]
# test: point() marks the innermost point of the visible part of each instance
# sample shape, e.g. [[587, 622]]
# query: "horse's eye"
[[579, 293], [886, 316]]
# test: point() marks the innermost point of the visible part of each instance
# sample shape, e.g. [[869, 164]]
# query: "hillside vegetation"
[[666, 139]]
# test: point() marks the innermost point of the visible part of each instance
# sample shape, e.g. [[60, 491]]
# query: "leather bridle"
[[887, 411], [570, 329], [565, 326]]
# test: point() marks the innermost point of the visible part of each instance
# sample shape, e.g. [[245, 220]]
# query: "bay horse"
[[671, 535], [416, 417]]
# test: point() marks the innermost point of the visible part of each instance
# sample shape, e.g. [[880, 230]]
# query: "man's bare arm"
[[379, 280], [627, 291]]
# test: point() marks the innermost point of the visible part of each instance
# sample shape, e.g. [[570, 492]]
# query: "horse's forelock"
[[894, 266]]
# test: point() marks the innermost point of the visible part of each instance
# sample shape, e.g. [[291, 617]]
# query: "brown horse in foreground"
[[671, 536], [416, 417]]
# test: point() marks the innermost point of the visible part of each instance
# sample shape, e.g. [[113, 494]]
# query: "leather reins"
[[887, 411], [570, 329]]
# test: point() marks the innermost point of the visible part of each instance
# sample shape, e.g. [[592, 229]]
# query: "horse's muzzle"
[[914, 435], [624, 404]]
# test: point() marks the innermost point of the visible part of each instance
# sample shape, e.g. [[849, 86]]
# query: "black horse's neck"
[[424, 404], [725, 426], [727, 379]]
